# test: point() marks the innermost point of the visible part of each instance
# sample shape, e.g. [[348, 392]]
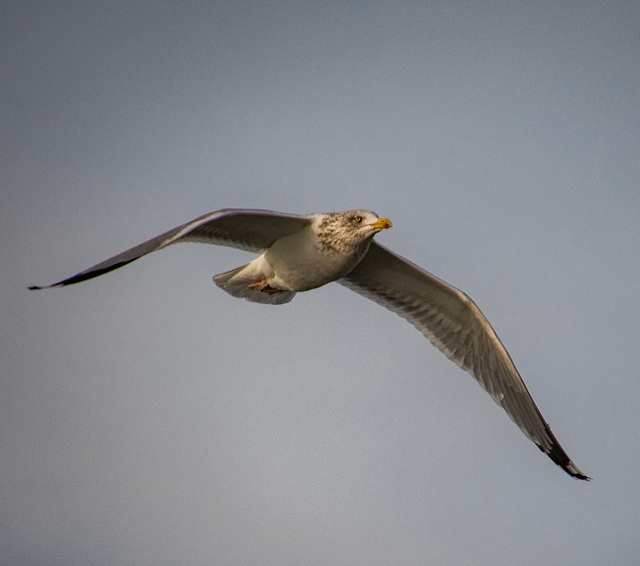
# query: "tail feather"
[[236, 283]]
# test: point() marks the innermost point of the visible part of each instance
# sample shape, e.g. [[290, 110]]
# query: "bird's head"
[[350, 229]]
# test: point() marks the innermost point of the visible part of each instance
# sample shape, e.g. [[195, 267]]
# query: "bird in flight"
[[303, 252]]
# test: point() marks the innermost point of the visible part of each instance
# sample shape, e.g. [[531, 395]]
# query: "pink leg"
[[264, 287]]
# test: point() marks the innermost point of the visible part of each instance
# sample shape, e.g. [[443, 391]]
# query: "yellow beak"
[[381, 224]]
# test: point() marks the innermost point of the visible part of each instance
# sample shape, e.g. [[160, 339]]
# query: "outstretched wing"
[[457, 327], [251, 230]]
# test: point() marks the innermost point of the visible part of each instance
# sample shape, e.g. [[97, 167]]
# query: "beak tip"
[[382, 224]]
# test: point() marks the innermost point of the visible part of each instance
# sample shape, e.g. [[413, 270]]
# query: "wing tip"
[[561, 458], [38, 287], [84, 275], [575, 472]]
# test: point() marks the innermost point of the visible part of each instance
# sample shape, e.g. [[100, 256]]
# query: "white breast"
[[300, 263]]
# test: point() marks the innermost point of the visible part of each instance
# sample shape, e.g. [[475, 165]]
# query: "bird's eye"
[[357, 219]]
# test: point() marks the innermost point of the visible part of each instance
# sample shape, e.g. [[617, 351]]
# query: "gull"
[[303, 252]]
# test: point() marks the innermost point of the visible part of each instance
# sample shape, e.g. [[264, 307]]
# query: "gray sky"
[[149, 418]]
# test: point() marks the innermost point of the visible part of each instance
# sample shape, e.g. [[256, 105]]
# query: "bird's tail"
[[236, 282]]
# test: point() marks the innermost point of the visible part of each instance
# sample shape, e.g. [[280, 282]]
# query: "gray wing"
[[457, 327], [251, 230]]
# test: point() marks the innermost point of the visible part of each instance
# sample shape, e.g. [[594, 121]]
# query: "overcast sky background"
[[146, 417]]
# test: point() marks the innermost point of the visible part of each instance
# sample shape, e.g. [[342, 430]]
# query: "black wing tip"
[[575, 472], [83, 275], [38, 287], [568, 466], [571, 469], [560, 457]]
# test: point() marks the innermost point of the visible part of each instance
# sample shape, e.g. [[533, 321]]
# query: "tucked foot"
[[264, 287]]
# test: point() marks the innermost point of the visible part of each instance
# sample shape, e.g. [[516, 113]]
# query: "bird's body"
[[300, 253], [305, 259]]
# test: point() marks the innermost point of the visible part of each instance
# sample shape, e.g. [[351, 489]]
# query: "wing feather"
[[453, 323], [250, 230]]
